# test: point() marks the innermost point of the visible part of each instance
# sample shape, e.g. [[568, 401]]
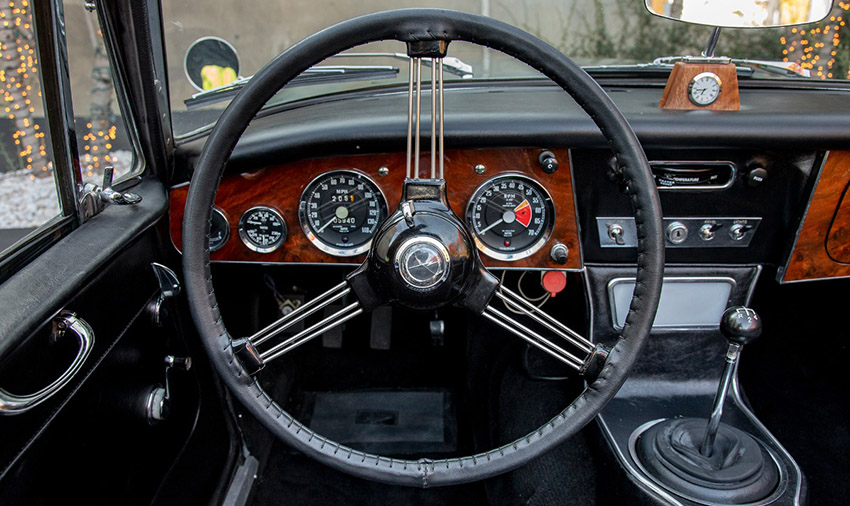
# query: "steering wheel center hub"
[[423, 263]]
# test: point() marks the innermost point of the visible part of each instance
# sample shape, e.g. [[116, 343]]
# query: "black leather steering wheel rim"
[[410, 25]]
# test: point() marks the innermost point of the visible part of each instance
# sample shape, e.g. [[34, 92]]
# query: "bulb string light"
[[20, 87], [18, 77], [816, 47]]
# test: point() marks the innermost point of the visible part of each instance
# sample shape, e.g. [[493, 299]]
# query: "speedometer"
[[511, 217], [340, 212]]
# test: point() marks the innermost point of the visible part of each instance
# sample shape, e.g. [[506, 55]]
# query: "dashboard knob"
[[548, 162], [559, 253], [756, 176]]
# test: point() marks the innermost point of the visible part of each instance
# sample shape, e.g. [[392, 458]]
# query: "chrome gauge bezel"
[[536, 246], [243, 234], [705, 75], [315, 239], [223, 216]]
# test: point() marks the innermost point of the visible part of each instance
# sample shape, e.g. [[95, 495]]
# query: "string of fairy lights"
[[20, 87], [816, 48], [92, 159], [18, 83]]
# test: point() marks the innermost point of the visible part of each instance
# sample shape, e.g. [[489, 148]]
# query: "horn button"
[[422, 257], [422, 262]]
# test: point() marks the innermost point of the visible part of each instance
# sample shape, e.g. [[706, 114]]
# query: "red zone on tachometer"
[[523, 213]]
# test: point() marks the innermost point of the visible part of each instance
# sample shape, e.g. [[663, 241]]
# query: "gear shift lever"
[[740, 326], [703, 459]]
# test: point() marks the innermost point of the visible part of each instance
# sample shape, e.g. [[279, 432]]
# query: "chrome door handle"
[[11, 404]]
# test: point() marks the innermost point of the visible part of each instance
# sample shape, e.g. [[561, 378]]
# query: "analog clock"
[[704, 89]]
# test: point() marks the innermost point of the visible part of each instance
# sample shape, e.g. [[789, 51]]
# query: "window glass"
[[28, 196], [102, 136], [28, 192], [593, 32]]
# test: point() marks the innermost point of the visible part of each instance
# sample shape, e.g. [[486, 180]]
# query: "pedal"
[[438, 332], [380, 336]]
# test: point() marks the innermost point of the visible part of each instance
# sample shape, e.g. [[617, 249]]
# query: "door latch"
[[94, 198]]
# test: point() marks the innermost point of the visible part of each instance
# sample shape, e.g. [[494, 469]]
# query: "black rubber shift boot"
[[738, 471]]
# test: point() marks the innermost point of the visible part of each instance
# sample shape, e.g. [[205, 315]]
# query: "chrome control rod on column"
[[414, 118]]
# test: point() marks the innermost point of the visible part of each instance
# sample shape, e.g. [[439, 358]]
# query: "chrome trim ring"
[[533, 248], [315, 239], [249, 243], [714, 77], [223, 216], [412, 274]]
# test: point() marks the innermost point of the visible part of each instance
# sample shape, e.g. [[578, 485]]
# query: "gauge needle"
[[497, 222], [323, 227]]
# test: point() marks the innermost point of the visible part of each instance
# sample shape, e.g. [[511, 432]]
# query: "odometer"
[[511, 217], [340, 212], [262, 229]]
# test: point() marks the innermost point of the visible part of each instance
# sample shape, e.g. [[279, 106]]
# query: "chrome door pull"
[[11, 404]]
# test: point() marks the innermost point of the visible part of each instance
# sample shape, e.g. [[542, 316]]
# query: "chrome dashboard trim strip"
[[708, 163]]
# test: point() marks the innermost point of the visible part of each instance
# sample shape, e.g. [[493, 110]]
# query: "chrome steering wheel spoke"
[[254, 360], [582, 355]]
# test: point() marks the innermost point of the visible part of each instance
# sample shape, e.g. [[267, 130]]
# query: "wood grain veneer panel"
[[838, 240], [281, 186], [675, 94], [827, 222]]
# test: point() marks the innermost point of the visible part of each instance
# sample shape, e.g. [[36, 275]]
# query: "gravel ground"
[[28, 203]]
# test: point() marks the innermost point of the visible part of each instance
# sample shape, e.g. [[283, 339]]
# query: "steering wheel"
[[424, 227]]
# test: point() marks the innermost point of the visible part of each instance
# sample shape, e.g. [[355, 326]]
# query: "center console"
[[680, 428], [674, 390]]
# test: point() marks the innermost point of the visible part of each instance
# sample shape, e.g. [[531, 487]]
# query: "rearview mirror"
[[211, 62], [742, 13]]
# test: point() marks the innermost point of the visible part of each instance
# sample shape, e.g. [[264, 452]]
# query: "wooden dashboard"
[[822, 247], [280, 187]]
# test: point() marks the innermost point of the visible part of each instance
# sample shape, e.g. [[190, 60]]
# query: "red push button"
[[554, 282]]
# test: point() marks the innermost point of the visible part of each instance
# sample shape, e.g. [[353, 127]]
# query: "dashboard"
[[778, 162], [518, 205]]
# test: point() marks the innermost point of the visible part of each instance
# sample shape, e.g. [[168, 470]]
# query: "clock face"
[[704, 88]]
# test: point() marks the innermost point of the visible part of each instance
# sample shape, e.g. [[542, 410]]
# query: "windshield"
[[593, 32]]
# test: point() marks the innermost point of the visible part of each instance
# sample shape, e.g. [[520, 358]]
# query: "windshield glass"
[[593, 32]]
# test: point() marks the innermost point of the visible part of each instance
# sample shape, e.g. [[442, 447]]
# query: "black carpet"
[[387, 422], [565, 475]]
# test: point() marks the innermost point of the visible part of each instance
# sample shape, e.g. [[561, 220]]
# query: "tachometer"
[[262, 229], [511, 217], [340, 212]]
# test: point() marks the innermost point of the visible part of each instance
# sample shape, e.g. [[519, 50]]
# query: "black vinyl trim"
[[40, 289]]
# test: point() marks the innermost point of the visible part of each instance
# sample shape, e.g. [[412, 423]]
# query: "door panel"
[[96, 426]]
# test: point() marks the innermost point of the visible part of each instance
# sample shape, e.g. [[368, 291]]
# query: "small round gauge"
[[219, 229], [511, 217], [705, 88], [340, 212], [262, 229]]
